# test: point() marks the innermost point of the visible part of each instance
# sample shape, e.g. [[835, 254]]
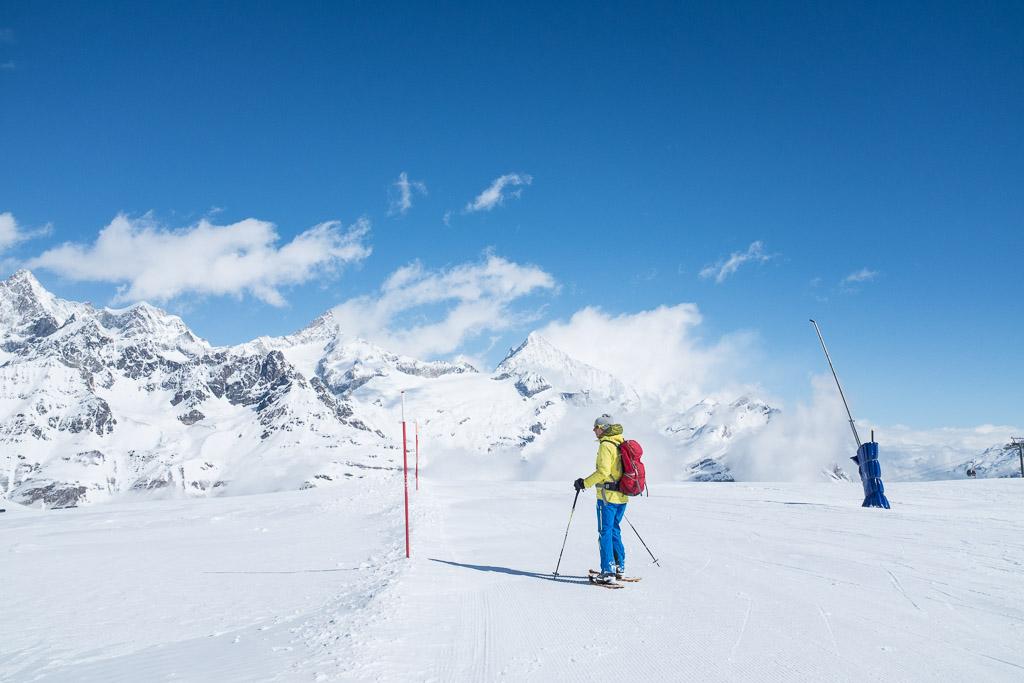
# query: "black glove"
[[578, 484]]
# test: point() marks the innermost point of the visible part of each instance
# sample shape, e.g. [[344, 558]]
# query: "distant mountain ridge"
[[97, 403]]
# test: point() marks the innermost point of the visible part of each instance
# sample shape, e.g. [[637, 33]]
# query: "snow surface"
[[757, 582]]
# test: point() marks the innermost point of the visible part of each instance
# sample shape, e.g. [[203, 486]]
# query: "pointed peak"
[[24, 278], [24, 287], [534, 338], [23, 275], [28, 308], [324, 321], [323, 328], [533, 341]]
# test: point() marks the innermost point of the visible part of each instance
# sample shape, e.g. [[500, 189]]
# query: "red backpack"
[[634, 477]]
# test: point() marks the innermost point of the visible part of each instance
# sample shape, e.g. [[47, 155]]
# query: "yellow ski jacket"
[[609, 469]]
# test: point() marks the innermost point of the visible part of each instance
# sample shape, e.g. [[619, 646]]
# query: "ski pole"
[[641, 540], [567, 531]]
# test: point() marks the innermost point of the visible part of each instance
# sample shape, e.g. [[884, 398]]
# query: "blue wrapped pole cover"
[[871, 476]]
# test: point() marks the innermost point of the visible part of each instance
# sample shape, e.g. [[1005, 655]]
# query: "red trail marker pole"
[[405, 476], [417, 424]]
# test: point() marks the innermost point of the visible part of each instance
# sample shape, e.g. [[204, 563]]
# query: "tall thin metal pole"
[[1019, 441], [405, 475], [856, 436]]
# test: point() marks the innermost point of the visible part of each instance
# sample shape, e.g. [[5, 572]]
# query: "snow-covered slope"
[[997, 461], [757, 582]]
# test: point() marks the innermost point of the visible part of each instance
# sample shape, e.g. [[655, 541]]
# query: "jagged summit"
[[534, 348], [24, 275], [27, 309], [145, 321], [538, 365], [324, 327], [24, 285]]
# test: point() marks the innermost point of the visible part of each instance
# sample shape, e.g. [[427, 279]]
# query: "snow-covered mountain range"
[[97, 403]]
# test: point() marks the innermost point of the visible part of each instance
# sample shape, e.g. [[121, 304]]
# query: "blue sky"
[[645, 145]]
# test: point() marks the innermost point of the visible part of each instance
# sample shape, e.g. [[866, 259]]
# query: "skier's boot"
[[620, 571], [605, 578]]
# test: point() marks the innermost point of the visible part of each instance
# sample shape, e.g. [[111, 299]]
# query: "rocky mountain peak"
[[24, 276], [144, 321], [324, 325], [27, 309], [23, 286]]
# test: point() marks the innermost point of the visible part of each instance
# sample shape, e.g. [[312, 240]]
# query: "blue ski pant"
[[609, 536]]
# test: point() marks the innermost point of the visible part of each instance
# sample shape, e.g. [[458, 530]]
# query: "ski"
[[604, 585], [628, 579]]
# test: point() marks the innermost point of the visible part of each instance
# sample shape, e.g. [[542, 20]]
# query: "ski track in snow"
[[899, 587], [831, 633], [314, 586], [743, 629]]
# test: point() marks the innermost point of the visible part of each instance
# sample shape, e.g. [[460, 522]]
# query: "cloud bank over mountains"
[[658, 351], [424, 312]]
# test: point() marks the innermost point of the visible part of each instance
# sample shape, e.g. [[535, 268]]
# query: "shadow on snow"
[[561, 578]]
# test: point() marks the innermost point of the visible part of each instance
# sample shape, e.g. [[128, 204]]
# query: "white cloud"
[[851, 283], [798, 444], [495, 194], [157, 263], [657, 352], [406, 188], [11, 233], [474, 298], [726, 267], [862, 275]]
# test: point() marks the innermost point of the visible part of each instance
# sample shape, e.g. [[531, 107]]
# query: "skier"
[[611, 505]]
